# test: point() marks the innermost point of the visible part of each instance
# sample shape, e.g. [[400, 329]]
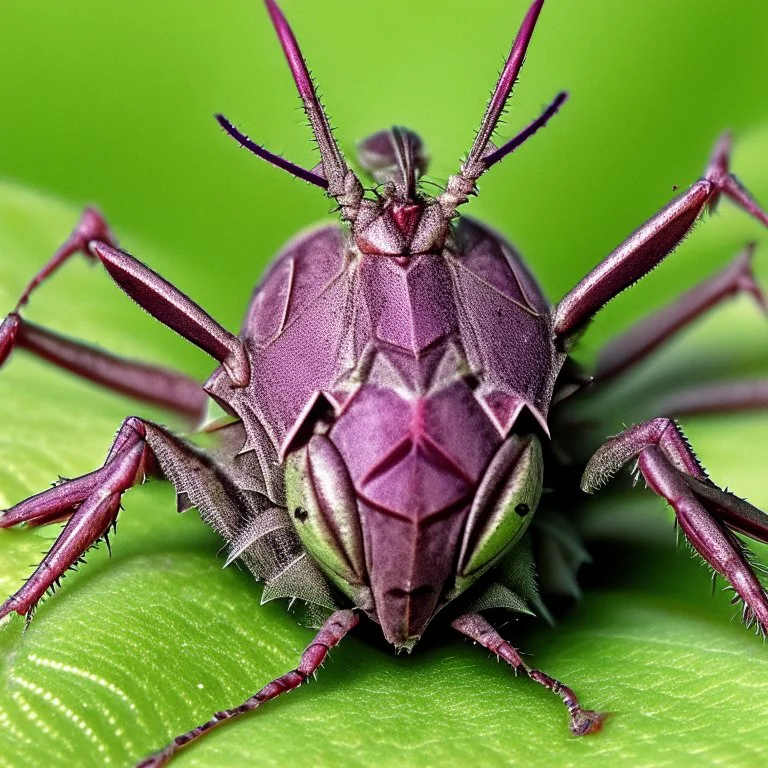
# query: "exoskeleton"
[[388, 404]]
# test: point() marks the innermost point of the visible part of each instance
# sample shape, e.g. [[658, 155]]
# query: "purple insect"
[[391, 405]]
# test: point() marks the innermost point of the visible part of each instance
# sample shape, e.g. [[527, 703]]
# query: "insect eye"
[[522, 509]]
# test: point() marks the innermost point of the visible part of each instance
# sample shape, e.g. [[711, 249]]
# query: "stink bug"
[[491, 486]]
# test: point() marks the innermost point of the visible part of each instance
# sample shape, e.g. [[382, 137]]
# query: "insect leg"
[[91, 503], [716, 398], [175, 310], [91, 226], [650, 245], [635, 345], [707, 514], [148, 383], [149, 290], [330, 635], [475, 627]]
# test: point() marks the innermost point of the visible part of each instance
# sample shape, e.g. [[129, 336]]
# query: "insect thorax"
[[384, 420]]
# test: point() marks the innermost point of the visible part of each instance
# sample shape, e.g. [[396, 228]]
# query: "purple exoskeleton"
[[388, 405]]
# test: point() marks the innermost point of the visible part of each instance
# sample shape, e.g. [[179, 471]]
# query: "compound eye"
[[503, 506], [324, 510]]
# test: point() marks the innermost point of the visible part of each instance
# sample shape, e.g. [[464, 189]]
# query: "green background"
[[112, 104]]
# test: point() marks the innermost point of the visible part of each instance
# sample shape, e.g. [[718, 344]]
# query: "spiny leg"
[[642, 339], [148, 383], [475, 627], [91, 503], [707, 514], [649, 245], [709, 536], [331, 633]]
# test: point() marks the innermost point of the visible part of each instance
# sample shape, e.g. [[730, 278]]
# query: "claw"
[[586, 721]]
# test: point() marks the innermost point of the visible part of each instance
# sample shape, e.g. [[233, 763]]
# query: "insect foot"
[[582, 721], [708, 515]]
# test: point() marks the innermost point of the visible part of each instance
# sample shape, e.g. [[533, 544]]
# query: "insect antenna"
[[483, 153], [333, 174], [271, 157], [526, 133], [504, 85]]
